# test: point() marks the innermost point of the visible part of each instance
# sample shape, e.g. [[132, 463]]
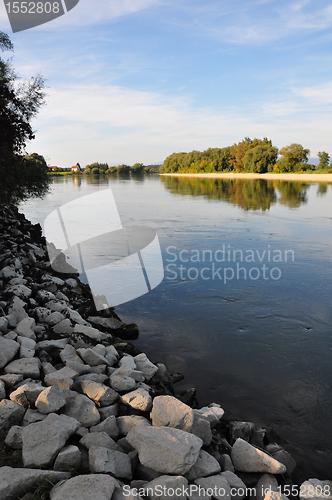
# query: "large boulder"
[[164, 449], [110, 462], [87, 487], [28, 367], [139, 399], [206, 465], [247, 458], [10, 414], [81, 408], [15, 482], [8, 349], [43, 440], [168, 411]]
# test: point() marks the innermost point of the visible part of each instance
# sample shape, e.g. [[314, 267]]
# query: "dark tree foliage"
[[261, 158], [324, 159], [21, 176]]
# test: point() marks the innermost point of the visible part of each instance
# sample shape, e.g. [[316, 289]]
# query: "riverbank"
[[76, 396], [281, 177]]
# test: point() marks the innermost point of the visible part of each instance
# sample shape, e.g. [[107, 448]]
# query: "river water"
[[244, 310]]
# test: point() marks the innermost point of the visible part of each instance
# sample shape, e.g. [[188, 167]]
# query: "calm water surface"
[[260, 346]]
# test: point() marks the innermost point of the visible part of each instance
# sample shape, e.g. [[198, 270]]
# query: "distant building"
[[52, 167], [76, 168]]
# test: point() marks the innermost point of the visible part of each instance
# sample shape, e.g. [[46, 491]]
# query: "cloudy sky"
[[136, 80]]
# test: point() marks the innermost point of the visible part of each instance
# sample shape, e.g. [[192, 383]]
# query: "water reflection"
[[248, 194]]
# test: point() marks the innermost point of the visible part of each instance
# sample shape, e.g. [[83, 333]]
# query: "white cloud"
[[115, 124], [320, 94]]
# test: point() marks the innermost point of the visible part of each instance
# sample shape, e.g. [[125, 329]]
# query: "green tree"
[[137, 168], [292, 157], [260, 159], [123, 169], [21, 176], [324, 159], [238, 151]]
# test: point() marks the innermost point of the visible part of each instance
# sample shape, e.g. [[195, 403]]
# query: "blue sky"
[[136, 80]]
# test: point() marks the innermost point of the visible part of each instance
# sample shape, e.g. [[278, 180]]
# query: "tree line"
[[249, 155], [103, 168]]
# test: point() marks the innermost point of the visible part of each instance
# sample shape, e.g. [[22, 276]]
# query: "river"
[[244, 310]]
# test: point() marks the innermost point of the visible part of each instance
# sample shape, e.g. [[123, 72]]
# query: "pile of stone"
[[94, 416]]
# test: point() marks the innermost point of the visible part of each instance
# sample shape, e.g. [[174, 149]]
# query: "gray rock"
[[128, 361], [90, 332], [266, 483], [3, 325], [10, 414], [41, 314], [48, 368], [64, 327], [28, 367], [52, 344], [69, 354], [2, 390], [275, 495], [122, 383], [285, 458], [139, 399], [247, 458], [99, 439], [56, 305], [8, 272], [100, 378], [8, 349], [226, 463], [70, 458], [127, 422], [50, 400], [109, 426], [54, 318], [63, 378], [27, 394], [87, 487], [166, 484], [14, 482], [170, 412], [91, 357], [76, 317], [238, 488], [202, 428], [108, 323], [20, 291], [99, 393], [14, 437], [32, 416], [79, 368], [44, 296], [145, 366], [206, 465], [108, 411], [82, 408], [218, 484], [110, 461], [125, 371], [164, 449], [212, 413], [42, 441]]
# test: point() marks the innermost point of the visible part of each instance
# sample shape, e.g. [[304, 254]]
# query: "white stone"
[[99, 393], [20, 291], [56, 305], [128, 361], [42, 441], [70, 458], [86, 487], [63, 327], [26, 342], [125, 371], [139, 399], [145, 366], [31, 417], [8, 272], [110, 461], [170, 412], [50, 400], [3, 324], [247, 458], [164, 449], [127, 422], [82, 408], [8, 349], [69, 354], [206, 465], [14, 481], [28, 367], [44, 296], [89, 331], [76, 317], [25, 326]]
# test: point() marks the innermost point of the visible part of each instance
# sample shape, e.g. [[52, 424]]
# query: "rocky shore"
[[86, 414]]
